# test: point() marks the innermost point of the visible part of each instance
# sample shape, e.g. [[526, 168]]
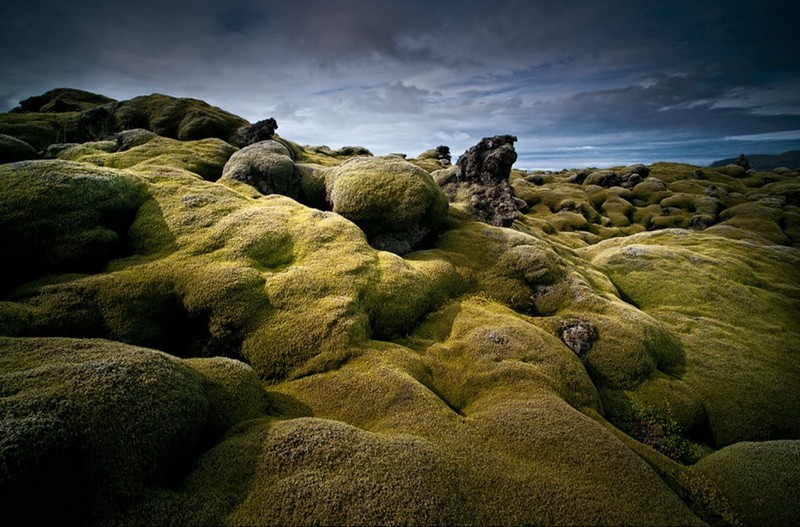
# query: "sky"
[[580, 83]]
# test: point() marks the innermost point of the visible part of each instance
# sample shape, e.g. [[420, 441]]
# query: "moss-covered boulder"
[[61, 116], [703, 289], [266, 166], [396, 204], [87, 423], [59, 216], [760, 480], [178, 118], [13, 149], [144, 151], [434, 159], [61, 100]]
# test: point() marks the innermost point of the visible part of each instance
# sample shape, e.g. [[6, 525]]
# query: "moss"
[[657, 430], [178, 118], [234, 391], [397, 204], [58, 216], [90, 422], [61, 100], [41, 129], [760, 480], [322, 155], [509, 435], [729, 303], [267, 166], [618, 210], [479, 341], [651, 190], [759, 221], [13, 149], [205, 157], [312, 469]]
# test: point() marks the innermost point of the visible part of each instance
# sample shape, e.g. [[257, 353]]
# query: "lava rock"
[[579, 336], [480, 181], [257, 132]]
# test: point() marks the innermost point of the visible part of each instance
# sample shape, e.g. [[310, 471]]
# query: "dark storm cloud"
[[401, 76]]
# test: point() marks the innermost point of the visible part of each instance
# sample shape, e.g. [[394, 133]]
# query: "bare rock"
[[480, 181]]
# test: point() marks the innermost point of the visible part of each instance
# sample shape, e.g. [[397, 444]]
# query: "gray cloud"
[[567, 77]]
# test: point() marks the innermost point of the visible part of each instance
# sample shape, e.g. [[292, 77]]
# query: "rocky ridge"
[[203, 322]]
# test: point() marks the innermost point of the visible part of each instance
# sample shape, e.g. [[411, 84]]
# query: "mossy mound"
[[397, 204], [49, 121], [434, 159], [704, 290], [178, 118], [58, 216], [145, 150], [41, 130], [760, 480], [88, 422], [565, 370], [266, 166], [13, 149], [62, 100], [325, 471]]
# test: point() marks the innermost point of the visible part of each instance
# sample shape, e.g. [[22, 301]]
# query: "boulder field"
[[204, 323]]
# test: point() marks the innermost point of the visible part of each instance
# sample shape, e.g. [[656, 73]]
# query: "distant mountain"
[[766, 162]]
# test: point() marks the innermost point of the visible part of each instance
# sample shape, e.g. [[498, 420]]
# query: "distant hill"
[[789, 159]]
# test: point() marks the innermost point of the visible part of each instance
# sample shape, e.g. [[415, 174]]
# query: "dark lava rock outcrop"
[[256, 132], [480, 180]]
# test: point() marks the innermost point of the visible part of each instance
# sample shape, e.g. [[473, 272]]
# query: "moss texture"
[[396, 204], [760, 480], [178, 346]]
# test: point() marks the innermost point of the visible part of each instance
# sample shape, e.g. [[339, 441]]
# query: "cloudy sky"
[[579, 83]]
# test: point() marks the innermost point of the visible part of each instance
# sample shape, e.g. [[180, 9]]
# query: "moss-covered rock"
[[434, 159], [50, 121], [60, 100], [397, 204], [178, 118], [760, 480], [58, 216], [143, 150], [87, 423], [13, 149], [266, 166], [705, 290]]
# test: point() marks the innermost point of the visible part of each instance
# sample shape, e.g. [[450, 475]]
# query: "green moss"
[[178, 118], [13, 149], [40, 130], [729, 303], [760, 480], [657, 430], [758, 220], [58, 216], [322, 155], [397, 204], [651, 190], [350, 477], [205, 157], [89, 422], [234, 392], [618, 210], [61, 100]]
